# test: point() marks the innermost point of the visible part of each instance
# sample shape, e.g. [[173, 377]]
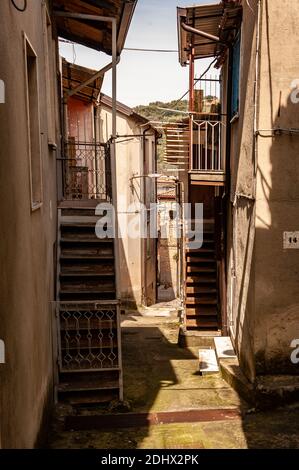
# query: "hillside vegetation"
[[153, 113]]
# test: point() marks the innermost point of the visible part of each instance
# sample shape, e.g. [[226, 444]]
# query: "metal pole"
[[191, 104], [113, 159]]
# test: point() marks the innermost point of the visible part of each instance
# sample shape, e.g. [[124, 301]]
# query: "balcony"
[[206, 159]]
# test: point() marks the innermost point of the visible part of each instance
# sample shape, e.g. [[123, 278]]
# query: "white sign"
[[2, 92], [2, 352], [291, 241], [295, 353]]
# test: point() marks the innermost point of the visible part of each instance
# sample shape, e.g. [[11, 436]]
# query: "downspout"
[[144, 241], [191, 105], [198, 32], [156, 206], [225, 326], [256, 87]]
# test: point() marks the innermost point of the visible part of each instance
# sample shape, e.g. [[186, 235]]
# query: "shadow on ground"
[[160, 376]]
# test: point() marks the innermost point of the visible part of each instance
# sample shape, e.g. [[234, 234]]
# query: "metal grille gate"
[[89, 342], [86, 171]]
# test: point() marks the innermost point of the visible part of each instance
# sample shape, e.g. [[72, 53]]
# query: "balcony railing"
[[206, 152], [86, 171]]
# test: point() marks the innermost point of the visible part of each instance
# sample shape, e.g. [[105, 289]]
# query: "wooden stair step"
[[78, 240], [190, 281], [200, 290], [201, 323], [72, 290], [83, 274], [200, 269], [202, 310], [200, 301], [68, 387], [90, 257], [90, 397], [191, 260]]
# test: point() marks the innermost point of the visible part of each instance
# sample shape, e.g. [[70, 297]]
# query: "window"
[[236, 52], [33, 123], [49, 70]]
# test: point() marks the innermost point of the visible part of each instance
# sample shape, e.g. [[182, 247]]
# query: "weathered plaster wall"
[[80, 120], [241, 221], [168, 251], [27, 239], [263, 297], [277, 206]]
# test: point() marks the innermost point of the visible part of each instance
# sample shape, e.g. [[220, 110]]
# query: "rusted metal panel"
[[220, 20]]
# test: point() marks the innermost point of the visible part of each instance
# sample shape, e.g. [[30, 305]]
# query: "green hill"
[[152, 113]]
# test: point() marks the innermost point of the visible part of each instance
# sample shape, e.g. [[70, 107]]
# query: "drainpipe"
[[256, 83], [143, 241], [191, 104], [198, 32]]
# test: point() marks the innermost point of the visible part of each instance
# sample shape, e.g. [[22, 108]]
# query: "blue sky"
[[144, 77]]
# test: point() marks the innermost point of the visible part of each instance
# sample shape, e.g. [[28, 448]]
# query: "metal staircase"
[[201, 285], [88, 313]]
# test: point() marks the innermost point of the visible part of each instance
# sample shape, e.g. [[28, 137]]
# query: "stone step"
[[207, 362]]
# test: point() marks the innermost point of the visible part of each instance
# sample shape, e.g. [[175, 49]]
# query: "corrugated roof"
[[221, 20], [94, 34]]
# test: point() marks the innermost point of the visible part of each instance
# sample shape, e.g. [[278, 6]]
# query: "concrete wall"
[[277, 205], [80, 120], [167, 251], [263, 295], [27, 237], [241, 222], [137, 269]]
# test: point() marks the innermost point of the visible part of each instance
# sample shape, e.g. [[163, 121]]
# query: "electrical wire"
[[149, 50], [197, 80], [21, 9]]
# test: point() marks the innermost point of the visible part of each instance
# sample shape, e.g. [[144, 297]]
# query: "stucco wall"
[[80, 120], [167, 251], [241, 221], [277, 206], [27, 239], [138, 272]]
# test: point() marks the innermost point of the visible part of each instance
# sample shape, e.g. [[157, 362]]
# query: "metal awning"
[[73, 75], [220, 20], [97, 35]]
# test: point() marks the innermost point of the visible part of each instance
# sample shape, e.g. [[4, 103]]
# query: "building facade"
[[136, 183], [29, 134], [256, 235], [90, 123], [32, 133]]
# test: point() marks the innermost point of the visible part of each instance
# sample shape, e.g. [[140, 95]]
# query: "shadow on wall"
[[266, 300], [277, 269], [128, 298]]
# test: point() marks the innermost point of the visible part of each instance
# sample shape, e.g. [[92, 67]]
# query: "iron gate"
[[86, 171]]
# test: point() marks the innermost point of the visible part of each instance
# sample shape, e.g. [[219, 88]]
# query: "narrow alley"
[[168, 405], [149, 239]]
